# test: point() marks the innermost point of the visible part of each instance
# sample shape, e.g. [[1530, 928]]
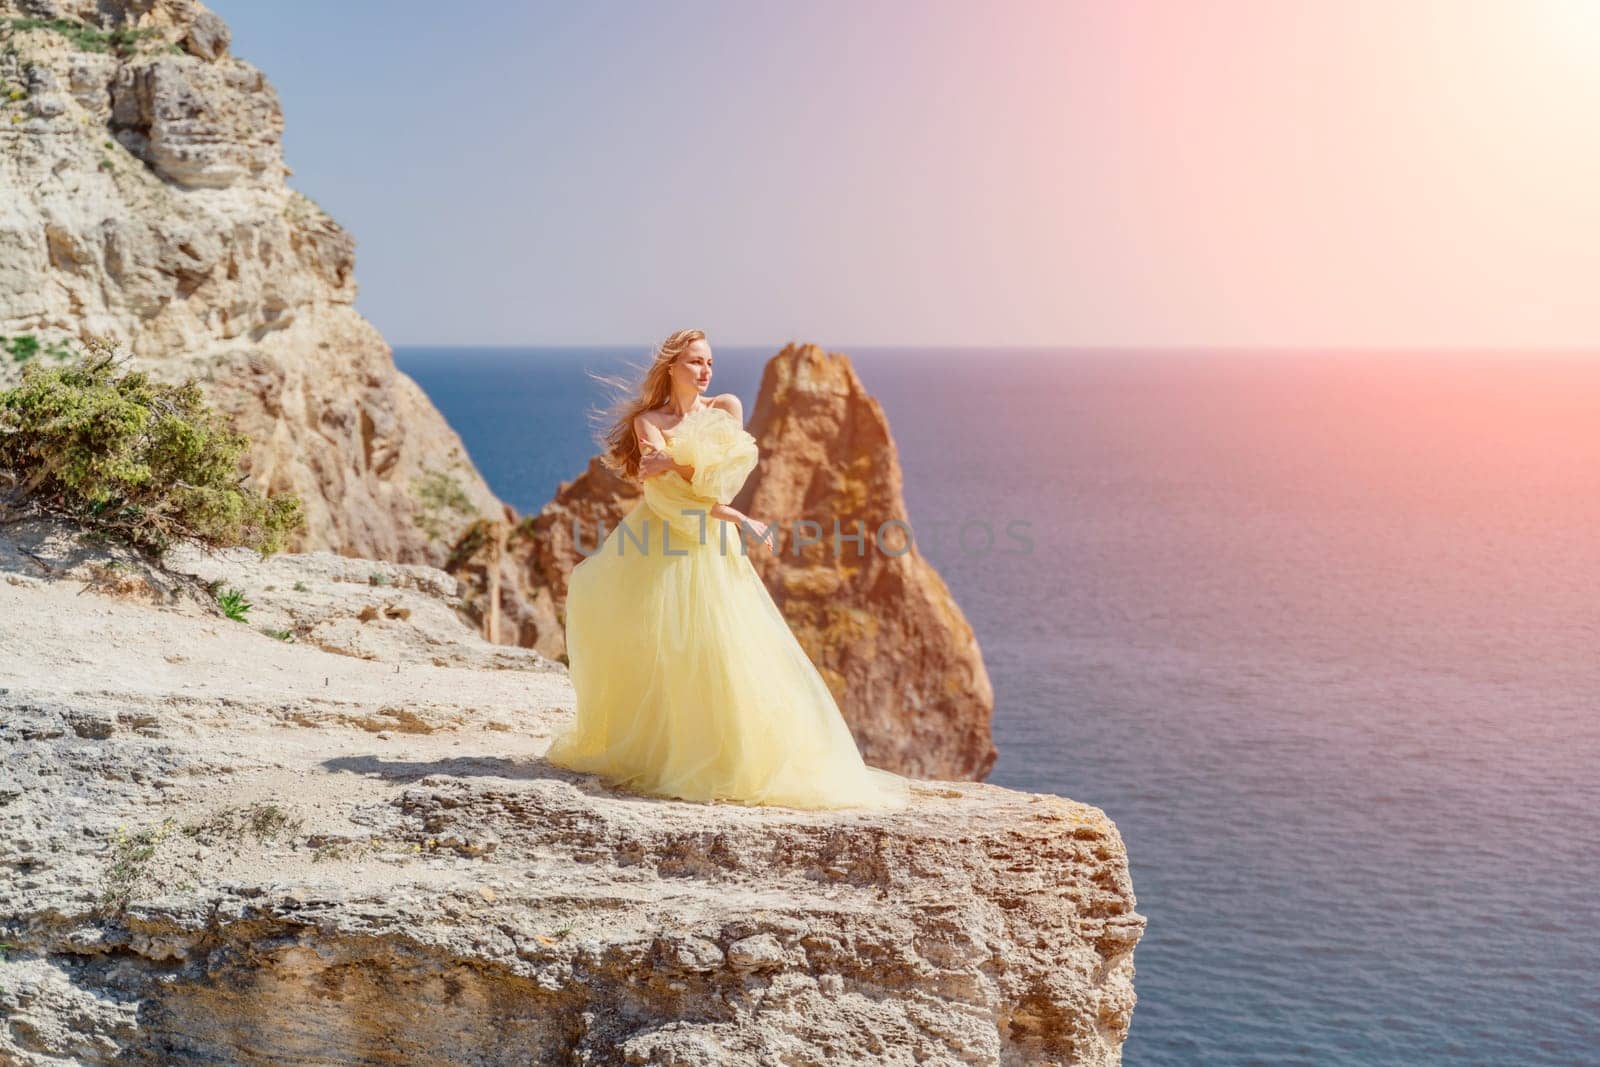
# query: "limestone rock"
[[142, 198], [208, 854], [208, 36]]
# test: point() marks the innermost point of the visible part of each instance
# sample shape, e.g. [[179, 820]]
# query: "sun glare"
[[1574, 25]]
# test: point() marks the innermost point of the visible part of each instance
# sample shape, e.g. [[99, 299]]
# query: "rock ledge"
[[222, 846]]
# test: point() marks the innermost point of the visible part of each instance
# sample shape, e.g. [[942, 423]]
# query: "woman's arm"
[[656, 460], [756, 527], [655, 463]]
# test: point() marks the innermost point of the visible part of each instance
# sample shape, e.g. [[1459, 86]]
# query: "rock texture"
[[872, 613], [878, 621], [142, 198], [221, 847]]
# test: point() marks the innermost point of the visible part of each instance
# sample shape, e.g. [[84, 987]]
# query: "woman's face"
[[692, 370]]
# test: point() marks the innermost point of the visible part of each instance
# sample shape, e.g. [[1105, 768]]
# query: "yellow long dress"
[[689, 681]]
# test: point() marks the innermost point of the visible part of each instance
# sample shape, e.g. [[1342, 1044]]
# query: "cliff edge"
[[325, 834]]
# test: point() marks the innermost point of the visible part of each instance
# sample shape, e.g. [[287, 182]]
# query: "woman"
[[689, 682]]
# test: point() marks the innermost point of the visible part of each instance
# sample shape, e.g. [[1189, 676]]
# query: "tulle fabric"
[[689, 681]]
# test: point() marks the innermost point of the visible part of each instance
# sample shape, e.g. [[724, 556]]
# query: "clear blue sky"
[[855, 172]]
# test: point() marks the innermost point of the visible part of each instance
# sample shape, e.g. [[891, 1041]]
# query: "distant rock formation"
[[882, 627], [874, 616], [328, 835], [142, 198]]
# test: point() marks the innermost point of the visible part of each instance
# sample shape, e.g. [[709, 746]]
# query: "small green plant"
[[123, 41], [301, 587], [266, 821], [119, 452], [439, 496], [130, 853], [26, 346], [234, 605], [263, 820], [22, 348], [281, 635], [377, 578]]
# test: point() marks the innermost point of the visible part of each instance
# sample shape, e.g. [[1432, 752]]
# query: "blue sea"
[[1319, 630]]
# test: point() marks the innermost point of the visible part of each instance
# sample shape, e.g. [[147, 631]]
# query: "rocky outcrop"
[[875, 617], [142, 198], [872, 612], [295, 840]]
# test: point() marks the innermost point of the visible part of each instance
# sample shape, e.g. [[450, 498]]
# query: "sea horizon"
[[846, 348]]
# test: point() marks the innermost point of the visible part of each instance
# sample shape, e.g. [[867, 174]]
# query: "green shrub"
[[21, 348], [440, 495], [149, 462], [25, 346], [123, 41], [234, 605]]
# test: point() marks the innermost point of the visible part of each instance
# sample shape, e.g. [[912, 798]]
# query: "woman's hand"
[[654, 463], [758, 530], [746, 526]]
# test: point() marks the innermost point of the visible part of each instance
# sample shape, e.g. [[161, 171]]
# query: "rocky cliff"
[[325, 834], [142, 198]]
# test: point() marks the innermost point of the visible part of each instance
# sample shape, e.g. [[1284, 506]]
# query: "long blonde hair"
[[621, 444]]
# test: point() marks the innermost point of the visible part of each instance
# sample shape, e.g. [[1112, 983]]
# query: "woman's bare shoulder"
[[730, 403], [643, 424]]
